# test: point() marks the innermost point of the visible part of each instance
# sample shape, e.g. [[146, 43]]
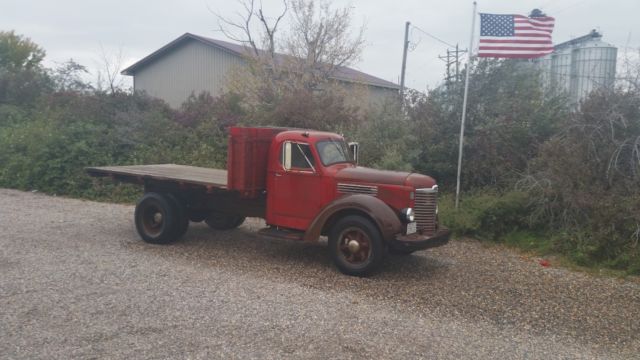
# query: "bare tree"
[[630, 69], [322, 38], [319, 41], [244, 25], [108, 76], [301, 85]]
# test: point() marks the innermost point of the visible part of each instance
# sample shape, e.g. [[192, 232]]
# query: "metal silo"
[[579, 66], [593, 67], [561, 70]]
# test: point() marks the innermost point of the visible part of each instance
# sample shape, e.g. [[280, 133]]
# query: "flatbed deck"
[[182, 174]]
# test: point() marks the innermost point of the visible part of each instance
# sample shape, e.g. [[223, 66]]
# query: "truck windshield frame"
[[333, 151]]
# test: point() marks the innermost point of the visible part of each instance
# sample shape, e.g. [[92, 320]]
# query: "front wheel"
[[356, 246]]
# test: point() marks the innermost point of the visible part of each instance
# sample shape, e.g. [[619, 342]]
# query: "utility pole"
[[447, 60], [452, 58], [457, 63], [404, 59]]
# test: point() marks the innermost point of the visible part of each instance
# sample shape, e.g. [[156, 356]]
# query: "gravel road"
[[77, 282]]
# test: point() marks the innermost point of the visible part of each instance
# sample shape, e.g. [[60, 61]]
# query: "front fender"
[[383, 215]]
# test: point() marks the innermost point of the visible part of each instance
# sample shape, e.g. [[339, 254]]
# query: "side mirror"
[[286, 156], [354, 147]]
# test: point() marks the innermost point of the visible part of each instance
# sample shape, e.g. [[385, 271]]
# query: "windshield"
[[333, 152]]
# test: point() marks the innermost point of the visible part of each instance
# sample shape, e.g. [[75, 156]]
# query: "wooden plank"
[[167, 172]]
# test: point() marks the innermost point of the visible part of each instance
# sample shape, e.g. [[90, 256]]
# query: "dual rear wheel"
[[158, 218], [163, 218]]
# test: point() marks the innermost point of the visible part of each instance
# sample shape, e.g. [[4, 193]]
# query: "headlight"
[[408, 215]]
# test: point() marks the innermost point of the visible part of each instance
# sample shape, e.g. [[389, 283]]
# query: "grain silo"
[[580, 66]]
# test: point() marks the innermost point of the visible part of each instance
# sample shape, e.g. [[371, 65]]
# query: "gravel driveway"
[[77, 282]]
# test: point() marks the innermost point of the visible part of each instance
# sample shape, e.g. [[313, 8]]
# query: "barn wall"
[[190, 67]]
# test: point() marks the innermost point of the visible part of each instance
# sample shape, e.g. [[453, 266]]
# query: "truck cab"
[[313, 179], [305, 184]]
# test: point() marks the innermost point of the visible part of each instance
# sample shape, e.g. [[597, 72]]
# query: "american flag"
[[515, 36]]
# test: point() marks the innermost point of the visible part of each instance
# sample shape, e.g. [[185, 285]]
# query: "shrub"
[[509, 116], [586, 181], [48, 149], [385, 139], [487, 215]]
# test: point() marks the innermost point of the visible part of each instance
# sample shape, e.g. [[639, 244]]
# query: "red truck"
[[305, 184]]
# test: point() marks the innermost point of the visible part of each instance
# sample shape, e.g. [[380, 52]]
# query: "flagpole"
[[464, 102]]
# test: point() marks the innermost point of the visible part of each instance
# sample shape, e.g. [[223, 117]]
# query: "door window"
[[297, 156]]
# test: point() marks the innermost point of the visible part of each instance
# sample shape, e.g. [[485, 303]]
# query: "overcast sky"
[[78, 29]]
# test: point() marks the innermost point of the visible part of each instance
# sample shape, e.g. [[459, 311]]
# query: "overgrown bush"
[[487, 214], [586, 181], [509, 116], [49, 149], [385, 139]]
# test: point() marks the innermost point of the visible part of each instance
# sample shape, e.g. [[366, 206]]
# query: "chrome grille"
[[425, 208], [357, 189]]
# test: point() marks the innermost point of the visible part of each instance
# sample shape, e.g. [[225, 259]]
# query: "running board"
[[275, 232]]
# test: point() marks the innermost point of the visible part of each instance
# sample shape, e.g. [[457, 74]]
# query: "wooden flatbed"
[[180, 174]]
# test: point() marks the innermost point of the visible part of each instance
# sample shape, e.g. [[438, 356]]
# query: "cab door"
[[295, 197]]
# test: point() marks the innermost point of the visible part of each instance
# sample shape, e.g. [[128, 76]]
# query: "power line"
[[432, 36]]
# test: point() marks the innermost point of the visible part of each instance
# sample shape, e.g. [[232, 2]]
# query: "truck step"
[[275, 232]]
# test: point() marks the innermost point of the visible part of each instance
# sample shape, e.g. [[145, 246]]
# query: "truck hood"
[[373, 176]]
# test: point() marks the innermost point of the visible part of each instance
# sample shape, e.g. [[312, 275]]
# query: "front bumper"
[[418, 241]]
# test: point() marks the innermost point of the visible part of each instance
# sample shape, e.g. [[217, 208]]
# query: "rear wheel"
[[356, 246], [182, 218], [156, 219], [222, 221], [198, 216]]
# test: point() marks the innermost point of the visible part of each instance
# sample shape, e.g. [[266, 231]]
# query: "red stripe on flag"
[[517, 48], [533, 21], [512, 56], [541, 42], [526, 35], [539, 19], [525, 28]]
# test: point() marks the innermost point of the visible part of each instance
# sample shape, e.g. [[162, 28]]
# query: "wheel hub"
[[354, 246], [157, 218]]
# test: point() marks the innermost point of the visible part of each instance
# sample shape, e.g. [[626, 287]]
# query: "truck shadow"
[[309, 264]]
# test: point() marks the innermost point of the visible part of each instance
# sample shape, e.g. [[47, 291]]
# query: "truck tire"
[[222, 221], [198, 216], [356, 246], [182, 219], [156, 219]]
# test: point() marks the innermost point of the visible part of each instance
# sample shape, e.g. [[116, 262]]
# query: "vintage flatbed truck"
[[305, 184]]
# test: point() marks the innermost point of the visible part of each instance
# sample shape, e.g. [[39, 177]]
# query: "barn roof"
[[342, 73]]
